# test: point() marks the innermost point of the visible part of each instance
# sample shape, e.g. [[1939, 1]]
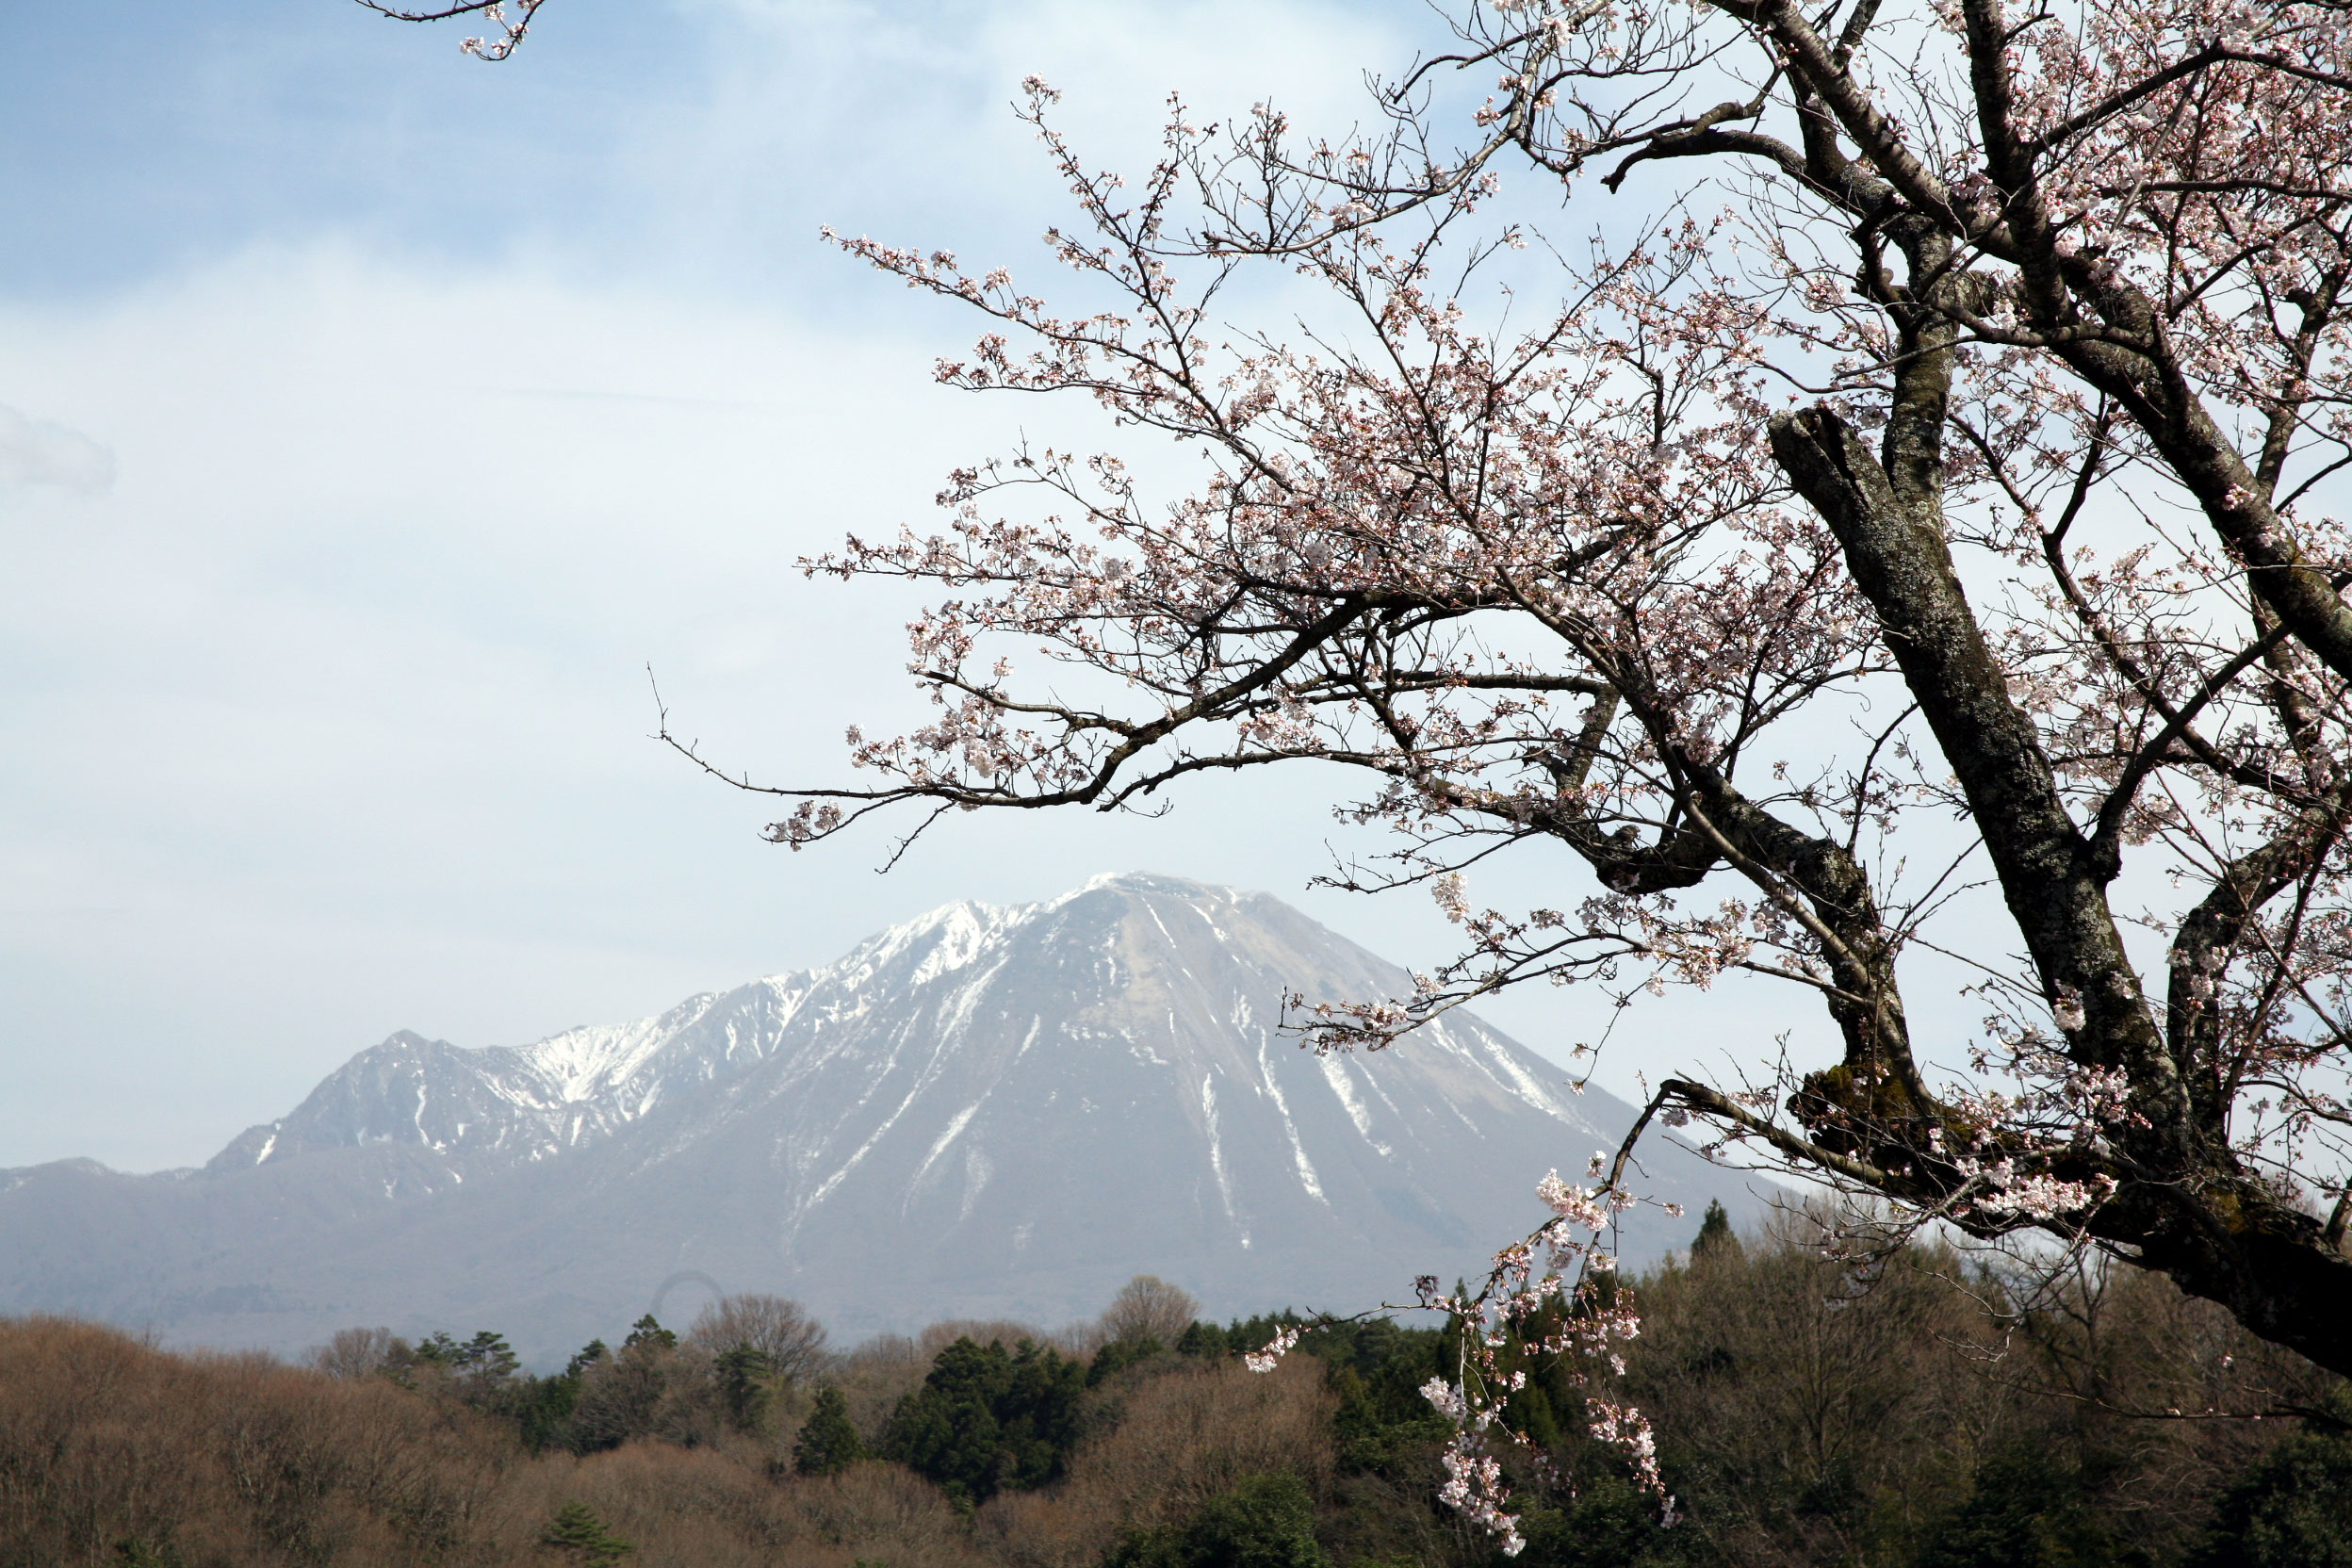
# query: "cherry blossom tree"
[[1940, 472], [510, 29], [1968, 462]]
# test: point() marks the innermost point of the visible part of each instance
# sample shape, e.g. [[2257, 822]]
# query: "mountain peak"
[[987, 1110], [1155, 884], [1127, 968]]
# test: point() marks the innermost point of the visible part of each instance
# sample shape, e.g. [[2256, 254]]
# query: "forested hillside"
[[1923, 1411]]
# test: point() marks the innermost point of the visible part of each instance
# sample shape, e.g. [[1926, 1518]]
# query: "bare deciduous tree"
[[776, 1327], [1148, 1307], [357, 1352]]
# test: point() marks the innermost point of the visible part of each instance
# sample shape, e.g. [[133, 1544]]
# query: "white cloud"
[[334, 720], [37, 451]]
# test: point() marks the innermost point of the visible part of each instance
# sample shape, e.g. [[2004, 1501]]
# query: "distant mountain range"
[[985, 1112]]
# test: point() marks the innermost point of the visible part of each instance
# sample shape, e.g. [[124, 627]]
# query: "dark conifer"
[[1716, 1237], [1204, 1339], [1121, 1354], [742, 1375], [646, 1330], [576, 1529], [2292, 1508], [827, 1441], [985, 1420]]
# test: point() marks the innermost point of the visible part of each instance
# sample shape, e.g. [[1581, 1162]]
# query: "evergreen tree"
[[484, 1358], [1716, 1238], [1265, 1522], [1607, 1525], [487, 1357], [623, 1396], [984, 1420], [481, 1371], [1121, 1354], [576, 1529], [1205, 1340], [827, 1441], [742, 1375], [2292, 1509], [2026, 1511], [545, 1417], [646, 1330], [544, 1410]]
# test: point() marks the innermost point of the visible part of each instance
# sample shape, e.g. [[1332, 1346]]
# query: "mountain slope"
[[987, 1110]]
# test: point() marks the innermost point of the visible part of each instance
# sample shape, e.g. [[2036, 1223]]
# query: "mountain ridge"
[[986, 1109], [540, 1080]]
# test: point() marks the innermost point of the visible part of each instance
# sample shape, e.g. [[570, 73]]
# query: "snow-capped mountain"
[[987, 1110], [505, 1105]]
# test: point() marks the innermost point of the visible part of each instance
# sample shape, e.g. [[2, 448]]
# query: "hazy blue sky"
[[370, 417]]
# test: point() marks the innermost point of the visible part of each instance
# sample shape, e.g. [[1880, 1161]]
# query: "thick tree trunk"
[[2181, 1204]]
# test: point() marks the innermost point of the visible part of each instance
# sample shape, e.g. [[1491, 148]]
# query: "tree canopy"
[[827, 1443], [1897, 549], [1953, 443], [1956, 444], [987, 1418]]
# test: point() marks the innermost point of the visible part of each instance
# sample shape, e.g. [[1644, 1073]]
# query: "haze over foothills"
[[370, 418]]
